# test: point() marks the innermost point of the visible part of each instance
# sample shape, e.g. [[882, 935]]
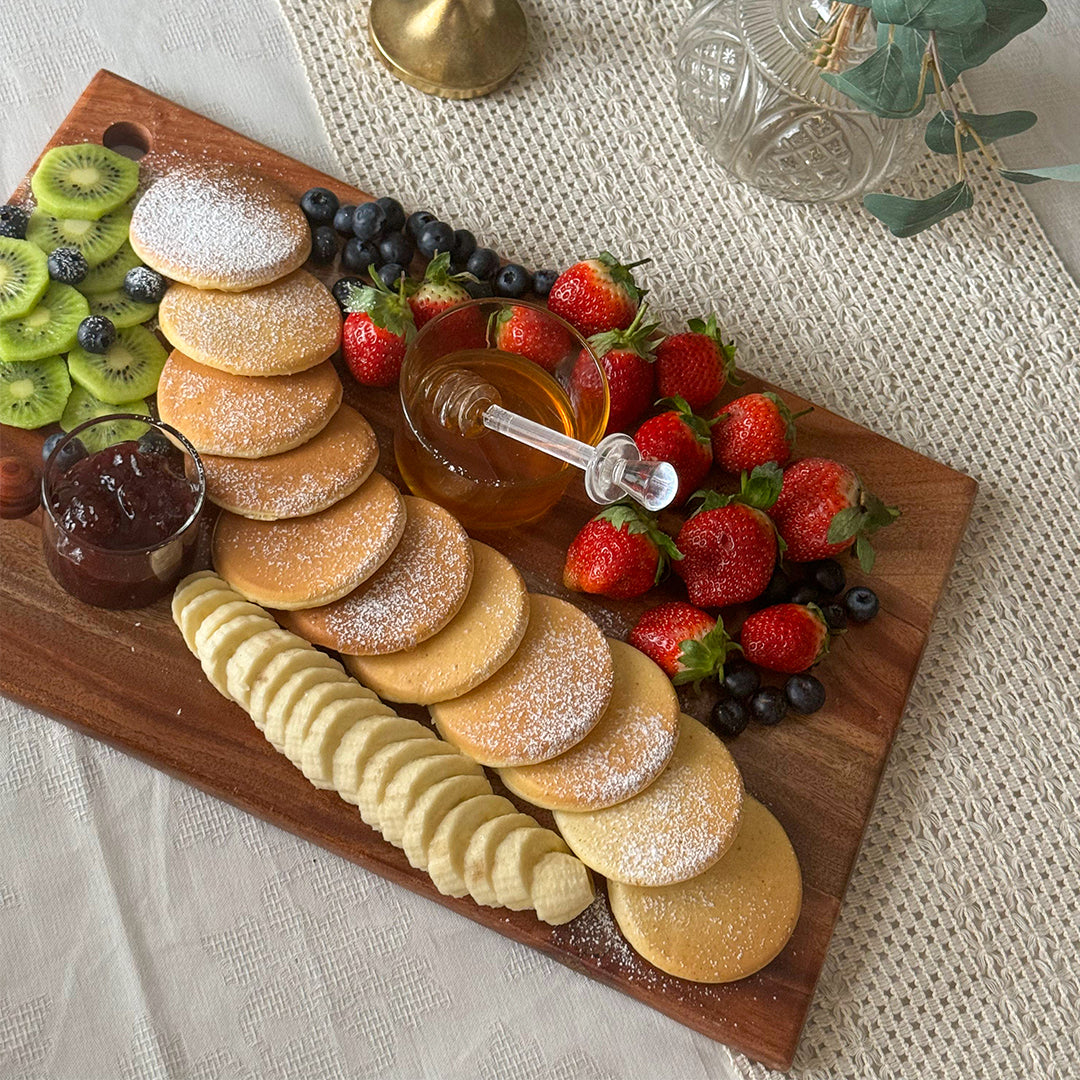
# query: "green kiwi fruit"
[[24, 277], [97, 240], [33, 394], [120, 308], [82, 406], [50, 328], [130, 368], [110, 274], [85, 181]]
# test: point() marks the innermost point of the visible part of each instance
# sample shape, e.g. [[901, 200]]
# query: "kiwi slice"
[[130, 368], [33, 394], [50, 328], [120, 308], [85, 181], [83, 406], [24, 277], [110, 274], [97, 240]]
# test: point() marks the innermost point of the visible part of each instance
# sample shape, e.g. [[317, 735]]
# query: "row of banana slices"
[[422, 794]]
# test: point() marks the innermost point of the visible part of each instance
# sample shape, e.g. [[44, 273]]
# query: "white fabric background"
[[149, 931]]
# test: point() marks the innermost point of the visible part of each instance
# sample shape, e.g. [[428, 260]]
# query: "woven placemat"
[[955, 952]]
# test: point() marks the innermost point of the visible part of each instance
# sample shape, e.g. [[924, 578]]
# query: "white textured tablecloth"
[[147, 930]]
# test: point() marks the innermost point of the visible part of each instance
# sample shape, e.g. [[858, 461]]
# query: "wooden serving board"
[[128, 679]]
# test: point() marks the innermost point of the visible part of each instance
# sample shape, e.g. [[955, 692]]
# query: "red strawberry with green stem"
[[377, 329], [597, 295], [680, 437], [695, 364], [619, 553], [787, 638], [824, 509], [688, 643], [529, 331], [439, 291], [626, 358], [729, 546], [753, 430]]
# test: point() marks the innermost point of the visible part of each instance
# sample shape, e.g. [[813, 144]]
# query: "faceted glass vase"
[[753, 97]]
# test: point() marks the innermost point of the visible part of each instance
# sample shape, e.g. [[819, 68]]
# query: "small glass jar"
[[154, 481]]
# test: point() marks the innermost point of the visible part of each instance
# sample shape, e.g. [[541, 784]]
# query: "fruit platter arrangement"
[[645, 741]]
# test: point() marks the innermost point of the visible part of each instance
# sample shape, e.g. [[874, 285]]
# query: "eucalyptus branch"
[[947, 104]]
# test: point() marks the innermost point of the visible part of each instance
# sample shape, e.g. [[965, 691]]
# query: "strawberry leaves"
[[385, 308], [760, 489], [702, 658], [861, 522], [629, 516]]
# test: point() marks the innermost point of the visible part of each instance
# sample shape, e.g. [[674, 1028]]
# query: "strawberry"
[[376, 332], [696, 363], [529, 332], [596, 295], [729, 545], [785, 637], [688, 643], [823, 509], [439, 291], [680, 437], [752, 430], [626, 358], [620, 553]]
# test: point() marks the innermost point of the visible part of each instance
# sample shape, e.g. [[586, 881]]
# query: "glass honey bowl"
[[486, 479]]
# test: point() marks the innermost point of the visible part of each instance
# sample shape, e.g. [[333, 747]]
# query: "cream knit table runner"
[[956, 950]]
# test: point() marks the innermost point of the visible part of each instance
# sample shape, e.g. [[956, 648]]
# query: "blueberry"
[[512, 281], [144, 285], [396, 247], [391, 273], [67, 265], [342, 289], [483, 263], [828, 575], [804, 693], [464, 246], [418, 221], [479, 290], [804, 593], [343, 219], [369, 221], [436, 236], [96, 334], [543, 280], [156, 442], [319, 205], [776, 592], [72, 451], [395, 215], [358, 256], [49, 445], [13, 222], [862, 603], [768, 706], [728, 717], [835, 615], [324, 242], [742, 681]]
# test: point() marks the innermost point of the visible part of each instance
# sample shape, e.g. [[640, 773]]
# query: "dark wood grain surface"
[[128, 679]]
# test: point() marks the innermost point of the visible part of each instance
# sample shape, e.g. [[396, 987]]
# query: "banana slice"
[[194, 585], [515, 858], [217, 647], [221, 614], [561, 889], [446, 852], [480, 854], [307, 707], [382, 767], [326, 732], [359, 743], [278, 671], [251, 657], [280, 709], [199, 607], [407, 784], [429, 810]]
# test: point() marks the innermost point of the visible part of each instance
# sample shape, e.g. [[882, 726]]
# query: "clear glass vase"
[[750, 89]]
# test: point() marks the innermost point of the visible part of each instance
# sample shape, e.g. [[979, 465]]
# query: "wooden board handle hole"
[[127, 138]]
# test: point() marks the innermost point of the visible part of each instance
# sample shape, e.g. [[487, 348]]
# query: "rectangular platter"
[[128, 679]]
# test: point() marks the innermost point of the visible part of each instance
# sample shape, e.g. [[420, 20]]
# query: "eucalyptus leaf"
[[950, 15], [1037, 176], [963, 50], [906, 217], [990, 126], [883, 84]]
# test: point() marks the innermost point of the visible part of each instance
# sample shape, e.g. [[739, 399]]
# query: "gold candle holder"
[[451, 48]]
